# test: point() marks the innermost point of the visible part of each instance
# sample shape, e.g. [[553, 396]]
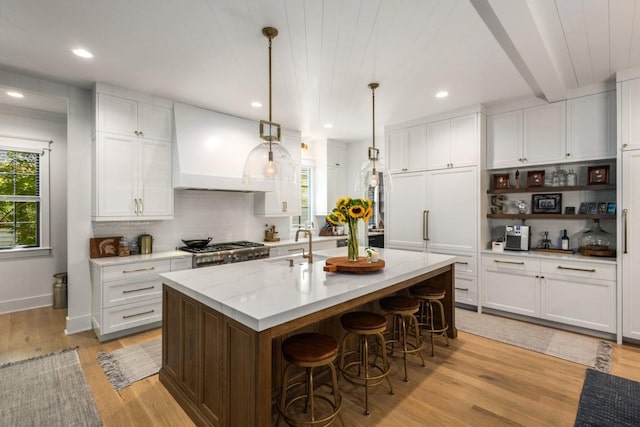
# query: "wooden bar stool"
[[358, 370], [403, 308], [309, 351], [428, 297]]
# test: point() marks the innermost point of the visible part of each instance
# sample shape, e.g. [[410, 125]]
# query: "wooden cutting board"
[[342, 264]]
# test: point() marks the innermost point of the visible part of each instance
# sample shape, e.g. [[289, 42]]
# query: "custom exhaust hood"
[[210, 150]]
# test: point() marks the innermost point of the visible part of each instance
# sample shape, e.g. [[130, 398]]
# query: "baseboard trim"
[[78, 324], [22, 304]]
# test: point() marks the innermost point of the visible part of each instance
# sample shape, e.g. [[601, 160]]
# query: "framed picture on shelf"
[[598, 175], [500, 181], [583, 209], [546, 203], [592, 208], [535, 178], [611, 208], [570, 210], [602, 208]]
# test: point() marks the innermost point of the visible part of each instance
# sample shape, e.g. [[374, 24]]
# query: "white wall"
[[27, 282]]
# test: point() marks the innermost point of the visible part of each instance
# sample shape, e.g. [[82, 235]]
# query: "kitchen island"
[[223, 325]]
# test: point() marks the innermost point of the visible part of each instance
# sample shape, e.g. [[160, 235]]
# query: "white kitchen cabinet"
[[579, 293], [285, 201], [529, 137], [629, 114], [453, 143], [132, 178], [511, 284], [452, 209], [127, 297], [406, 149], [572, 292], [591, 127], [131, 117], [336, 175], [629, 247], [406, 211]]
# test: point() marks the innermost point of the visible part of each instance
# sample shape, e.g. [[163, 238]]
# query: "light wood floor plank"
[[474, 382]]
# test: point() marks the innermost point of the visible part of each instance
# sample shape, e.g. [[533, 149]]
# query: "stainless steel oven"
[[226, 253]]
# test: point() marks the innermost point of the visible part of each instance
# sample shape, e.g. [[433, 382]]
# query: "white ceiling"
[[211, 53]]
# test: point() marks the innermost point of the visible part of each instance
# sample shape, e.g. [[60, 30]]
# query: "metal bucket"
[[60, 290]]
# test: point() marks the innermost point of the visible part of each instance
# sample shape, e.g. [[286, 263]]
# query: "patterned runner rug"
[[47, 391], [578, 348], [131, 364]]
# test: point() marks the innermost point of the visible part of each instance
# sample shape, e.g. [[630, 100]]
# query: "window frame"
[[42, 148], [300, 223]]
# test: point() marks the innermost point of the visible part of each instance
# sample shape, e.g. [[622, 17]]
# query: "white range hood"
[[210, 150]]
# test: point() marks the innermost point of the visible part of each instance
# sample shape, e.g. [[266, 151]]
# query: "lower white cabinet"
[[466, 277], [577, 293], [127, 297]]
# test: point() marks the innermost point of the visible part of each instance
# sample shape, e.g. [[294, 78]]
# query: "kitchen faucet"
[[310, 251]]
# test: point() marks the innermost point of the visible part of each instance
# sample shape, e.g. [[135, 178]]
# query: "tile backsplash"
[[224, 216]]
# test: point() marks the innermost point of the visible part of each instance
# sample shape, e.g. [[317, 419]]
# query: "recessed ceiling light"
[[442, 94], [256, 104], [15, 94], [328, 125], [82, 53]]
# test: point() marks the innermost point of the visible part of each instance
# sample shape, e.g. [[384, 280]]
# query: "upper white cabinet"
[[336, 173], [544, 134], [504, 140], [406, 149], [130, 117], [591, 127], [132, 159], [453, 143], [630, 114]]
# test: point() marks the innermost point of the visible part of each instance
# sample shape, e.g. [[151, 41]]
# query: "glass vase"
[[352, 243]]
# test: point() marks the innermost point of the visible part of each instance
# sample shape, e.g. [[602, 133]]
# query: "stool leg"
[[366, 375], [337, 400], [343, 350], [310, 395], [418, 337], [432, 326], [445, 325], [385, 361], [403, 337]]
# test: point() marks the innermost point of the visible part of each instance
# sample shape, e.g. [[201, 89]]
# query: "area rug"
[[607, 400], [48, 390], [131, 364], [588, 351]]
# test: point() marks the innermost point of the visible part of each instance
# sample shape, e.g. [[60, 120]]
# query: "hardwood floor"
[[474, 382]]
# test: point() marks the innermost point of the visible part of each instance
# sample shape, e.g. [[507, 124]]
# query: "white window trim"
[[41, 147]]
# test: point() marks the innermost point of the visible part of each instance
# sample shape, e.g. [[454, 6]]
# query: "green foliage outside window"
[[19, 198]]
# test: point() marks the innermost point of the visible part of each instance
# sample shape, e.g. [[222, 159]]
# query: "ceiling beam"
[[514, 27]]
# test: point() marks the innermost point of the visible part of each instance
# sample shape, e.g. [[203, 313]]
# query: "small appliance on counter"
[[145, 244], [516, 238]]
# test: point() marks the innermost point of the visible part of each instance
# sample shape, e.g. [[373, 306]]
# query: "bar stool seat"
[[355, 365], [403, 308], [428, 297], [309, 351]]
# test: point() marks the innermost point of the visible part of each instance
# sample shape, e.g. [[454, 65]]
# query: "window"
[[305, 200], [24, 191]]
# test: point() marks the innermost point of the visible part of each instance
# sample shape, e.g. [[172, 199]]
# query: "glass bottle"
[[565, 241], [595, 241], [562, 178], [572, 178], [554, 179], [123, 249]]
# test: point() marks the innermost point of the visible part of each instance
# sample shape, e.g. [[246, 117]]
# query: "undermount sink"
[[297, 259]]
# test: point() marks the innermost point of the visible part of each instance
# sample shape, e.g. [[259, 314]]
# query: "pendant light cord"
[[270, 136]]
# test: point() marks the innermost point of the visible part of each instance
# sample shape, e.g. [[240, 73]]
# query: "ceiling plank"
[[622, 15], [572, 16]]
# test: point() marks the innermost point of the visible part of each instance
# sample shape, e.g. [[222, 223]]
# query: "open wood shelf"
[[550, 216], [595, 187]]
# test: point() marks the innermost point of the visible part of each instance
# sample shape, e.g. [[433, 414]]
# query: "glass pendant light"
[[373, 170], [269, 161]]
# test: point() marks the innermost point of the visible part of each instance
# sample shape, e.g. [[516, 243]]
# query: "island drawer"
[[136, 272], [122, 292], [587, 270]]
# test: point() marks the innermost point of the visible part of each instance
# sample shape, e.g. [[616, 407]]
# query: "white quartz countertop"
[[265, 293], [119, 260]]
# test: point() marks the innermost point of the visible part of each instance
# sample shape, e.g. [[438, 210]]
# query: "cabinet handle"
[[625, 145], [140, 133], [462, 262], [141, 207], [461, 289], [509, 262], [137, 290], [138, 270], [135, 132], [568, 154], [135, 207], [425, 225], [138, 314], [588, 270], [625, 212], [520, 159]]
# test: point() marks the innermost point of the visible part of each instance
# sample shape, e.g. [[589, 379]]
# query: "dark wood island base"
[[224, 373]]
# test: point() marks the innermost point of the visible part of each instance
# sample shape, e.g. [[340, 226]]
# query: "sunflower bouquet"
[[349, 211]]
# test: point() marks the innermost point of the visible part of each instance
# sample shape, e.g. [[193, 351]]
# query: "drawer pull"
[[137, 290], [138, 270], [138, 314], [509, 262], [588, 270], [462, 262], [462, 289]]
